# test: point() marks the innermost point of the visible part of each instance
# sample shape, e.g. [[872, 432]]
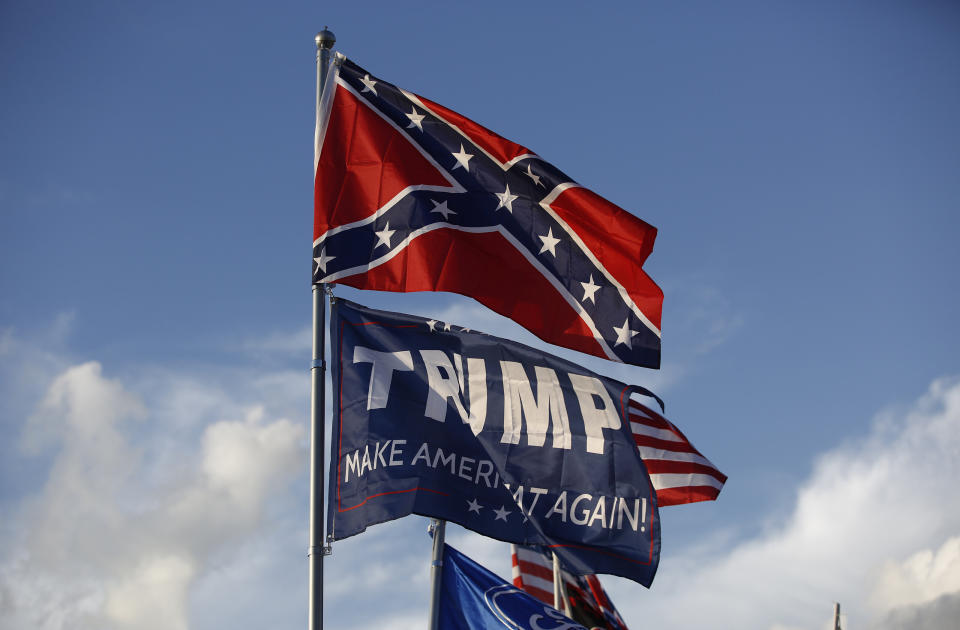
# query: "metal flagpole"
[[557, 595], [318, 369], [560, 600], [436, 570]]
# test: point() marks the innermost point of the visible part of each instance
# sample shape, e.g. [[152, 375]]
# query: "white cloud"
[[703, 315], [173, 490], [296, 342], [105, 543], [940, 614], [81, 405], [153, 594], [865, 506], [923, 577]]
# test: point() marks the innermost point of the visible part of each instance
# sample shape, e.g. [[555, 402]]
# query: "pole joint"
[[325, 550]]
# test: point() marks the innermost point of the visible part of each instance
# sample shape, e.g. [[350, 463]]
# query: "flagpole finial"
[[325, 39]]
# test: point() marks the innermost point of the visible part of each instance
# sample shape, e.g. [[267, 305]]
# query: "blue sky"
[[799, 159]]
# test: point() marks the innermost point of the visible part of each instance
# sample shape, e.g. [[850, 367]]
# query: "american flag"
[[678, 471], [589, 603], [411, 196]]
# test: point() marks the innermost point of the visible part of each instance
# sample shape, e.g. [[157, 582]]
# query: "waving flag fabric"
[[678, 471], [589, 603], [474, 598], [504, 439], [411, 196]]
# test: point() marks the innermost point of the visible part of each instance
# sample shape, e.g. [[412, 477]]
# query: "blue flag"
[[474, 598], [501, 438]]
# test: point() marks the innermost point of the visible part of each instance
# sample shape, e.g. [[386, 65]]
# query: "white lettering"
[[582, 520], [384, 365], [633, 519], [560, 507], [396, 452], [353, 463], [595, 419], [536, 492], [463, 464], [422, 453], [450, 459], [477, 382], [518, 401], [599, 513], [446, 383], [484, 468], [442, 381], [378, 454], [518, 497], [366, 464]]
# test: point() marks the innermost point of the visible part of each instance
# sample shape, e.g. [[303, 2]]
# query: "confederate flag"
[[411, 196]]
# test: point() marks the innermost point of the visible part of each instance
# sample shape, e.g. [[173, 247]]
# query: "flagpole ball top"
[[325, 39]]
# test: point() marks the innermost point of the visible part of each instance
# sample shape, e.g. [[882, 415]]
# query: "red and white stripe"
[[533, 573], [678, 471]]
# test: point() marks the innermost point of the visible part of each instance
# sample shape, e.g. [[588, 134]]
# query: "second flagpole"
[[318, 369], [438, 528]]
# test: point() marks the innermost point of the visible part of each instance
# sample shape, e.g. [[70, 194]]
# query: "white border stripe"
[[454, 187], [545, 203], [373, 217], [550, 198], [402, 245], [572, 301], [505, 166]]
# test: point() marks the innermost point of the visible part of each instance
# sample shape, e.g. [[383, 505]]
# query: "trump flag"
[[505, 440], [411, 196]]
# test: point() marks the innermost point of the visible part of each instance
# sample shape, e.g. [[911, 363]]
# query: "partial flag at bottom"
[[588, 601], [473, 598]]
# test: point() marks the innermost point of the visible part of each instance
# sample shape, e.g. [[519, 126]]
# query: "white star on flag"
[[624, 334], [473, 506], [383, 236], [323, 260], [416, 174], [416, 120], [501, 514], [549, 242], [368, 84], [506, 199], [431, 323], [463, 158], [442, 208], [589, 290], [446, 326]]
